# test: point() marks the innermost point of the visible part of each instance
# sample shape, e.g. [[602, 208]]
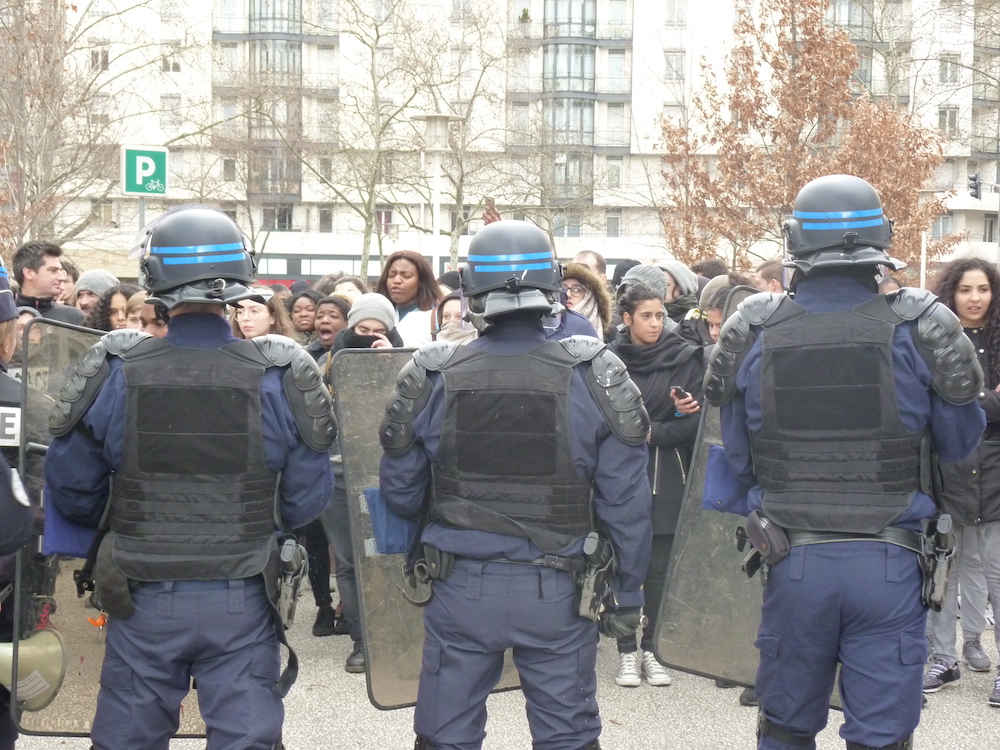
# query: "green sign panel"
[[144, 170]]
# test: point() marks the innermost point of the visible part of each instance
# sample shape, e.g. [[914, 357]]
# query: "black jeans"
[[652, 587], [337, 523]]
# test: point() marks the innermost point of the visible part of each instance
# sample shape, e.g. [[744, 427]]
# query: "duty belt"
[[569, 564], [911, 540]]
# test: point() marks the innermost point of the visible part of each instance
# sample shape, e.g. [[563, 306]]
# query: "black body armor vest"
[[193, 498], [505, 463], [832, 453]]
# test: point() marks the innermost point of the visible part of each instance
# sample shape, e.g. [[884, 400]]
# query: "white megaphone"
[[41, 667]]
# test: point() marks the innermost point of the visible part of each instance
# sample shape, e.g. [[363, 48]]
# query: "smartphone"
[[491, 204], [680, 392]]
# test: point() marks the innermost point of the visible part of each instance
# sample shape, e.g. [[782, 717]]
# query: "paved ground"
[[329, 709]]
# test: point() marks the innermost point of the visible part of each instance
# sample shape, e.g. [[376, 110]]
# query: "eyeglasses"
[[574, 291], [250, 312]]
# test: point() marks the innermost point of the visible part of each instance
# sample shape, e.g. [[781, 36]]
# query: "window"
[[863, 74], [676, 12], [100, 58], [325, 168], [170, 114], [171, 11], [326, 219], [615, 164], [572, 121], [230, 212], [229, 170], [613, 222], [941, 226], [675, 65], [383, 219], [990, 228], [617, 78], [100, 112], [273, 266], [278, 219], [569, 67], [566, 225], [384, 172], [617, 132], [171, 61], [520, 117], [948, 121], [571, 17], [571, 171], [948, 67], [327, 15], [616, 11], [102, 213], [278, 56]]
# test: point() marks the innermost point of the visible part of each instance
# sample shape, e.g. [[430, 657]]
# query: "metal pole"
[[142, 212]]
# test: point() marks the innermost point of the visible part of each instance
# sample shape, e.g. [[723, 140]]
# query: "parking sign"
[[144, 170]]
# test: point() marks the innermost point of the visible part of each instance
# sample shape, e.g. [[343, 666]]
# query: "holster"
[[592, 582], [294, 567], [770, 545], [438, 563], [935, 561], [111, 586]]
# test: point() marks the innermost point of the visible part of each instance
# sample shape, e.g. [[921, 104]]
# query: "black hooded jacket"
[[655, 368]]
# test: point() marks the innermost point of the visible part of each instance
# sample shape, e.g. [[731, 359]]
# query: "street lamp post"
[[437, 129]]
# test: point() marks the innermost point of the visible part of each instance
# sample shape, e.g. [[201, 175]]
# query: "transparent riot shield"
[[710, 610], [393, 626], [56, 701]]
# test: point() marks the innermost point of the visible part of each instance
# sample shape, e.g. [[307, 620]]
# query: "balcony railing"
[[569, 83], [986, 144], [620, 30]]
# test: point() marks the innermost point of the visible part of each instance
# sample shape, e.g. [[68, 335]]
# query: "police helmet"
[[195, 253], [511, 267], [837, 220]]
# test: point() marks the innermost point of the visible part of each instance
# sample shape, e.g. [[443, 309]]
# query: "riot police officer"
[[528, 445], [201, 432], [832, 404]]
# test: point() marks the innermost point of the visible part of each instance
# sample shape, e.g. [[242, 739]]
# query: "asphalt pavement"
[[329, 709]]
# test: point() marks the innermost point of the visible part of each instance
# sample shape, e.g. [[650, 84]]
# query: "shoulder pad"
[[278, 351], [435, 356], [764, 309], [956, 374], [618, 397], [583, 348], [119, 342], [309, 400], [909, 303], [82, 386], [410, 395]]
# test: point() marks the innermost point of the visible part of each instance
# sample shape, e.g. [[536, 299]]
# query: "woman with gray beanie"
[[682, 289]]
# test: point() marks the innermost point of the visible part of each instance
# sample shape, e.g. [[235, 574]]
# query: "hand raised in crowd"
[[687, 405], [381, 342], [490, 215]]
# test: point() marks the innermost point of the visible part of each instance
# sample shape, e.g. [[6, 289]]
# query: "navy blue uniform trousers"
[[484, 608], [221, 633], [856, 603]]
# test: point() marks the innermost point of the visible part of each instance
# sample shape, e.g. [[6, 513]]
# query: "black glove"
[[621, 622]]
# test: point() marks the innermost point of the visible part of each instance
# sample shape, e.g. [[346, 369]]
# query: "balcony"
[[327, 82], [524, 84], [987, 35], [614, 84], [570, 83], [229, 24], [275, 25], [986, 144], [615, 138], [985, 87], [621, 30]]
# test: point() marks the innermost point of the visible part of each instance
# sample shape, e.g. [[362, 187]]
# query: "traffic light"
[[975, 186]]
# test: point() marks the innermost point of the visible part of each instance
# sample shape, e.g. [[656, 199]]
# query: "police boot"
[[423, 744], [595, 745], [780, 734], [904, 744]]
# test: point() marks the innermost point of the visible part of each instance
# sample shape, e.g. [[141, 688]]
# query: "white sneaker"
[[655, 673], [628, 670]]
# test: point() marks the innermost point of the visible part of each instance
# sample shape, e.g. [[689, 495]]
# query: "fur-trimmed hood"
[[589, 279]]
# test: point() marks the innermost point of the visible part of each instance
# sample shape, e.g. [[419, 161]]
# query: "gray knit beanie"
[[649, 276], [96, 280], [373, 306], [684, 277]]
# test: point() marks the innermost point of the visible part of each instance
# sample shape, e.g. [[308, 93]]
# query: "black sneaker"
[[941, 673], [995, 695], [356, 661], [749, 697], [325, 622], [340, 627]]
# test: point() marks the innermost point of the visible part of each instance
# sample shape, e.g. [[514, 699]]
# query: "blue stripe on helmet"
[[515, 267], [202, 259], [508, 258], [843, 225], [3, 272], [837, 214], [197, 248]]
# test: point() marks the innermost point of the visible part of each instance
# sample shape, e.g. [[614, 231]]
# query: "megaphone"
[[41, 667]]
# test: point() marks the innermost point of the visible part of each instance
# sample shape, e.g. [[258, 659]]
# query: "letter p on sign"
[[144, 170]]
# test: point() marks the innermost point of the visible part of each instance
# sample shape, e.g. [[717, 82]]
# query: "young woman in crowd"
[[588, 296], [260, 315], [352, 286], [970, 287], [658, 361], [450, 326], [133, 311], [108, 313], [408, 282], [302, 309], [331, 319]]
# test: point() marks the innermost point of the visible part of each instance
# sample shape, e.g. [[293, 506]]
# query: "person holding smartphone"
[[668, 372]]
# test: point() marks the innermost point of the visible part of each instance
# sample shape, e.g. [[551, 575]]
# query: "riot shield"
[[393, 627], [46, 594], [710, 611]]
